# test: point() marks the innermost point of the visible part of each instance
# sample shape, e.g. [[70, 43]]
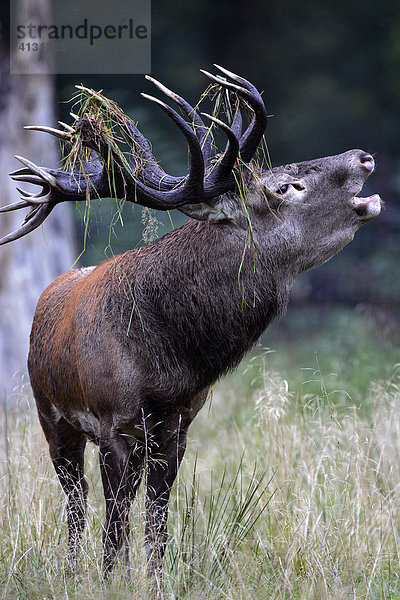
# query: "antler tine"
[[36, 169], [28, 199], [30, 214], [35, 179], [237, 123], [34, 199], [251, 138], [15, 205], [67, 127], [196, 173], [33, 220], [18, 172], [24, 193], [236, 126], [202, 132], [91, 93], [63, 135], [227, 161], [243, 82], [26, 175], [227, 84]]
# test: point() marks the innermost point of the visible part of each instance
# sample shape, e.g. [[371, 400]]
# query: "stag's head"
[[310, 209], [313, 205]]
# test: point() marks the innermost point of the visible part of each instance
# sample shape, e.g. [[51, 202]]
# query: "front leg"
[[121, 469], [161, 470]]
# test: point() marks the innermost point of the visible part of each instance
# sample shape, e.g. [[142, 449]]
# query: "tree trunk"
[[27, 265]]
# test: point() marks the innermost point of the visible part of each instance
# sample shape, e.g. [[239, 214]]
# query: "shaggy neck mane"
[[198, 299]]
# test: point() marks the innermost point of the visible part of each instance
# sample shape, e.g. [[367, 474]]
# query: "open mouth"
[[367, 208]]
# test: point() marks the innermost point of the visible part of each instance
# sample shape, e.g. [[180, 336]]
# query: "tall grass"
[[282, 495]]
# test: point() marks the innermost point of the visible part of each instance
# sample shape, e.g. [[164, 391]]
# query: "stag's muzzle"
[[367, 208]]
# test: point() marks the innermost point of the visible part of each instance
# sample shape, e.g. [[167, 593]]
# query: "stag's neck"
[[202, 297]]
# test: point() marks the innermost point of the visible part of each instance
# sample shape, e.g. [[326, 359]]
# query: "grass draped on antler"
[[93, 111], [114, 128], [111, 124]]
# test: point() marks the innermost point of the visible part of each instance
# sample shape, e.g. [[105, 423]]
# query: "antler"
[[107, 171]]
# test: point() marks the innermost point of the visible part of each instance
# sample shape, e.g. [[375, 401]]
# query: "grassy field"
[[289, 489]]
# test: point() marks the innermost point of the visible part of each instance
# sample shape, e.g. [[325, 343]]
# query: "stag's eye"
[[283, 188], [286, 187]]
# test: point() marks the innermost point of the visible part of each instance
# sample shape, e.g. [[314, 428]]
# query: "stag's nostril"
[[367, 162]]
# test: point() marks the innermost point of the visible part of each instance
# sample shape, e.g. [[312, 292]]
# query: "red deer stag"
[[124, 354]]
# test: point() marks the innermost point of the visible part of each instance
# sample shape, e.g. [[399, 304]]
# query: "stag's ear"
[[224, 209]]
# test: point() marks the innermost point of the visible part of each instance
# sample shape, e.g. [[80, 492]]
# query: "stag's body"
[[124, 354], [153, 328]]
